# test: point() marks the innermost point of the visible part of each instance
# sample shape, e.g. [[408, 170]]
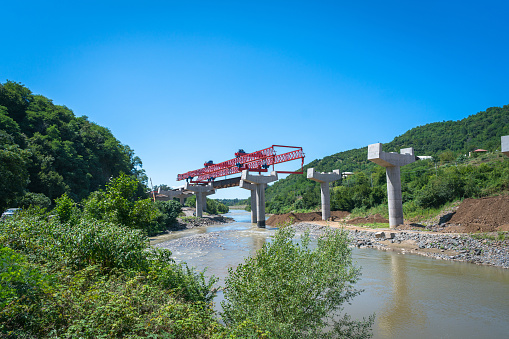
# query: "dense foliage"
[[425, 183], [95, 279], [119, 204], [290, 290], [232, 202], [213, 206], [45, 149]]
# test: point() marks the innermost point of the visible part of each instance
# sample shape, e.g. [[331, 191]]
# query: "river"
[[412, 296]]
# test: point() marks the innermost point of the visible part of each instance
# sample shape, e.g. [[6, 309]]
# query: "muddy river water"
[[412, 296]]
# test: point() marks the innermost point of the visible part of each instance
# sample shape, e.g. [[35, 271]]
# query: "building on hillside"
[[477, 152]]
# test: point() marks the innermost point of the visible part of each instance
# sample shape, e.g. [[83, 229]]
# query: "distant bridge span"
[[202, 182]]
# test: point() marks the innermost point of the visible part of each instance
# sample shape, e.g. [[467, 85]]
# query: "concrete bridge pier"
[[252, 188], [170, 195], [199, 190], [505, 144], [324, 179], [260, 182], [392, 163], [204, 197]]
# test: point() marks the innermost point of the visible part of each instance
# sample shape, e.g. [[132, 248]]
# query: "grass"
[[189, 218], [500, 236], [411, 211], [375, 225]]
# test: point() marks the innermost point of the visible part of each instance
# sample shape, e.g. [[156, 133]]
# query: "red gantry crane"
[[258, 161]]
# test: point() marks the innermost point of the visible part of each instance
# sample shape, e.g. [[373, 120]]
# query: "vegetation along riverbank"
[[474, 231]]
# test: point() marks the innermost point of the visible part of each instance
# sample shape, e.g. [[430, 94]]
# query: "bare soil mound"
[[480, 215], [370, 219], [277, 219]]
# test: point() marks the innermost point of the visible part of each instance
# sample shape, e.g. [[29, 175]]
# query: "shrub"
[[169, 211], [119, 204], [293, 291], [66, 209], [34, 199], [96, 280]]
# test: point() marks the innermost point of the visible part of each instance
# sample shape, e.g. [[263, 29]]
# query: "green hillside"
[[446, 141], [46, 151]]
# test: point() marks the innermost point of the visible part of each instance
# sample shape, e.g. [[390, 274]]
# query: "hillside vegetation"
[[46, 151], [425, 184]]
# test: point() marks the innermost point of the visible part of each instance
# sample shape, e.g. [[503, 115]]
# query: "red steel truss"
[[258, 161]]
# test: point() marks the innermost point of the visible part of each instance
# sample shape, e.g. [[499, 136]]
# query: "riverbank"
[[444, 246], [189, 222]]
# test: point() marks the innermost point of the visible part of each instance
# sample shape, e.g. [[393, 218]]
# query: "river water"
[[412, 296]]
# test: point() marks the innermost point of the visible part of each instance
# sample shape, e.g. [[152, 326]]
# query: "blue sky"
[[186, 82]]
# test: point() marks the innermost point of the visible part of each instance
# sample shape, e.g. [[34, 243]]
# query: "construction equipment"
[[258, 161]]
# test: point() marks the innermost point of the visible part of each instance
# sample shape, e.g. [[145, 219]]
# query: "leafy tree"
[[119, 204], [66, 209], [216, 207], [294, 291], [170, 211], [191, 201], [34, 200], [13, 173], [64, 153]]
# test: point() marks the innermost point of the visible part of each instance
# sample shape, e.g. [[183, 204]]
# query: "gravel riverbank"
[[445, 246]]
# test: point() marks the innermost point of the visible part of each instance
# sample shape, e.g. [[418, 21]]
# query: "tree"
[[13, 173], [119, 204], [293, 291]]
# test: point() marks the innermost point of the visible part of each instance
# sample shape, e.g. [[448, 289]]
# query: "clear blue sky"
[[189, 81]]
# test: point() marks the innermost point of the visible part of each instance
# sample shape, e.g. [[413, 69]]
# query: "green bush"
[[215, 207], [293, 291], [34, 199], [120, 204], [66, 209], [169, 212], [18, 279], [96, 280]]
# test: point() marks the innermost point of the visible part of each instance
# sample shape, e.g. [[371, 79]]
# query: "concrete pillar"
[[182, 199], [392, 162], [324, 179], [252, 188], [260, 183], [260, 204], [199, 190], [204, 197], [505, 144]]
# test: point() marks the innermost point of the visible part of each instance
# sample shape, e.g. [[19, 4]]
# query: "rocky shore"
[[445, 246], [192, 222]]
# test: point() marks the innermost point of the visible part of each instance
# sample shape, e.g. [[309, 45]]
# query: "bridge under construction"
[[205, 181]]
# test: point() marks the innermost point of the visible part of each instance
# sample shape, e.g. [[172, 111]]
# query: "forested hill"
[[45, 150], [448, 138]]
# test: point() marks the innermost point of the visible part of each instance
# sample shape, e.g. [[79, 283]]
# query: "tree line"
[[46, 151], [450, 175]]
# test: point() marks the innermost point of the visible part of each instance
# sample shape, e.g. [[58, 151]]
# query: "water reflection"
[[258, 242], [412, 296], [402, 308]]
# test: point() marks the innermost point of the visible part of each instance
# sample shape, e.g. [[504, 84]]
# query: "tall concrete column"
[[182, 200], [204, 197], [199, 190], [260, 204], [260, 182], [252, 188], [505, 144], [324, 179], [392, 162]]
